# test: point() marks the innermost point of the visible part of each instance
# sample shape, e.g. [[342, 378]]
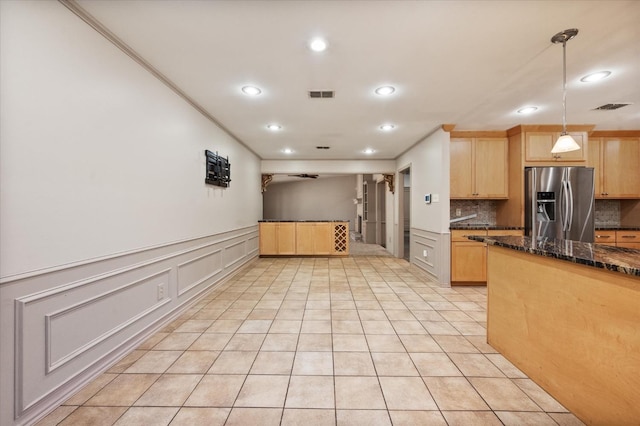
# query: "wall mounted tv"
[[218, 169]]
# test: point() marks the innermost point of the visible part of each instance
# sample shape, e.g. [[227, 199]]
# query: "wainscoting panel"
[[437, 248], [59, 333]]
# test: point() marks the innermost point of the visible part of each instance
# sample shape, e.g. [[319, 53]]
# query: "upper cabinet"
[[538, 145], [479, 168], [616, 161]]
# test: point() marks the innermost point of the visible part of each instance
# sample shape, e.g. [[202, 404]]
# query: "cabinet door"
[[621, 167], [491, 167], [461, 168], [287, 238], [628, 239], [304, 238], [595, 162], [468, 262], [607, 238], [538, 147], [268, 238], [322, 238]]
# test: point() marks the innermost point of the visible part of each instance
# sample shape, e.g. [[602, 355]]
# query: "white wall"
[[429, 162], [106, 224], [312, 199], [97, 156]]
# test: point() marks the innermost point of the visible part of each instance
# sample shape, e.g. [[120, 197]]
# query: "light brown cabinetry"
[[538, 145], [616, 161], [304, 238], [607, 238], [277, 238], [469, 258], [313, 238], [478, 168], [620, 238]]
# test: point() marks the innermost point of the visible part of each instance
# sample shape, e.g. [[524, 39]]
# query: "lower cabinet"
[[469, 258], [277, 238], [313, 238], [620, 238], [304, 238]]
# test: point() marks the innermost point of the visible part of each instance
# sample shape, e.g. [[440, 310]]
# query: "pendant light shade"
[[565, 142]]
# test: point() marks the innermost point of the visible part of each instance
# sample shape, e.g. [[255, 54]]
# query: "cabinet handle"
[[603, 236], [628, 236]]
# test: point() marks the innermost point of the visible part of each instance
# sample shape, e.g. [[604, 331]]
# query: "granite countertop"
[[617, 259], [277, 220], [617, 228], [476, 226]]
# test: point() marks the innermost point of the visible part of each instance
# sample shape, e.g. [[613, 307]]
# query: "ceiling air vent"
[[323, 147], [611, 107], [321, 94]]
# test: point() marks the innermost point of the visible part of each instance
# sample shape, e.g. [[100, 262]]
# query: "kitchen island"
[[568, 315], [304, 237]]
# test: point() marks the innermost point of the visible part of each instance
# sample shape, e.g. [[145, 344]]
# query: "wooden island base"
[[304, 238], [573, 329]]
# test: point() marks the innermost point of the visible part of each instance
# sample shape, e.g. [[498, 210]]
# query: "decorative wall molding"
[[112, 310], [436, 263]]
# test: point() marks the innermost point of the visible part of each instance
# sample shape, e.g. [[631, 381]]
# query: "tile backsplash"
[[485, 209], [607, 212]]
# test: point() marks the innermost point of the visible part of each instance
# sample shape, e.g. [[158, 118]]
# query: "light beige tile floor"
[[351, 341]]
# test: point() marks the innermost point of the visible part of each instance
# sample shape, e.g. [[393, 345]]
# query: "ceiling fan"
[[305, 175]]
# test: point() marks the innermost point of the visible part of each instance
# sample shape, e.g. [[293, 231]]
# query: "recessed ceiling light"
[[274, 127], [385, 90], [595, 76], [527, 110], [387, 127], [369, 151], [287, 151], [318, 45], [251, 90]]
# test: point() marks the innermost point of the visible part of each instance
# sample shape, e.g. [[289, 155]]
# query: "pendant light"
[[565, 142]]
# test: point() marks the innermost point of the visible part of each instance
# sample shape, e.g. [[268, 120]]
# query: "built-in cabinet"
[[469, 258], [277, 238], [538, 145], [618, 238], [478, 167], [616, 161], [314, 238], [304, 238]]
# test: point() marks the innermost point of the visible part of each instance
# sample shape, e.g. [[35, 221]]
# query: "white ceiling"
[[469, 63]]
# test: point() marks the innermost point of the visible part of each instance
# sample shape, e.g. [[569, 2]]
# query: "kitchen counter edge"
[[616, 259], [303, 221], [487, 227]]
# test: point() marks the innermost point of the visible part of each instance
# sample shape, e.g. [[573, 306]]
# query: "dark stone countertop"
[[274, 220], [477, 226], [617, 228], [617, 259]]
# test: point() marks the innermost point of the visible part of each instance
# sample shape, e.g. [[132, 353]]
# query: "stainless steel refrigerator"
[[559, 203]]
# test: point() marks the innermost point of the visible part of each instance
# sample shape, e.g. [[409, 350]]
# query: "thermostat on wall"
[[427, 198]]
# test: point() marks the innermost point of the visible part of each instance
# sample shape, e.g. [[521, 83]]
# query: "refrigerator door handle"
[[563, 205], [569, 206]]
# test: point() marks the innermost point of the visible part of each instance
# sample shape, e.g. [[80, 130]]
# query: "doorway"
[[404, 214], [381, 213]]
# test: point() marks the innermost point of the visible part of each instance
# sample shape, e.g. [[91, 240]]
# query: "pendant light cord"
[[564, 87]]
